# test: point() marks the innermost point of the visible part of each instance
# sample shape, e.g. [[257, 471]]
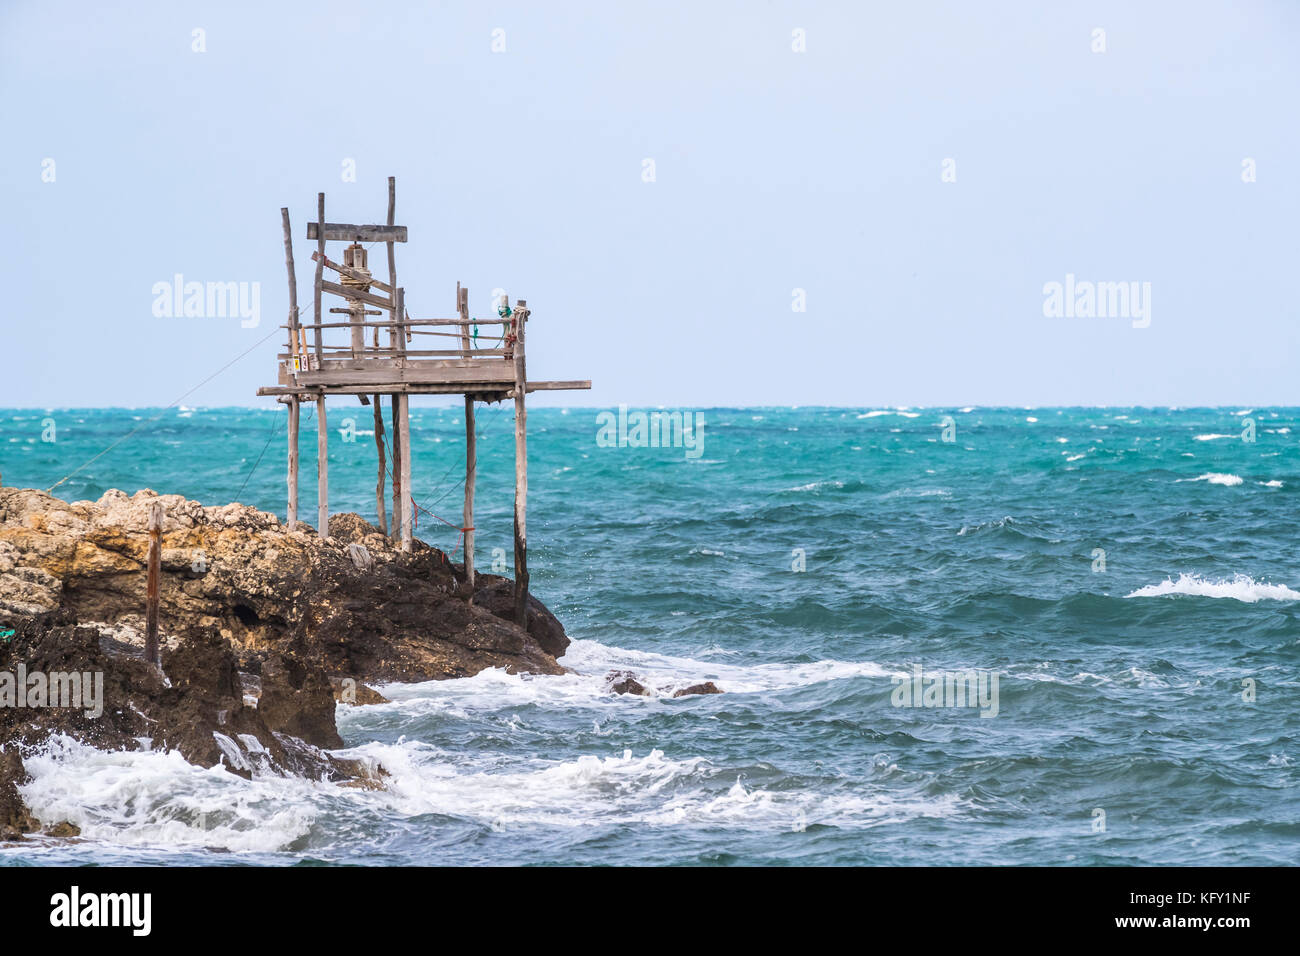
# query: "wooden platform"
[[349, 358]]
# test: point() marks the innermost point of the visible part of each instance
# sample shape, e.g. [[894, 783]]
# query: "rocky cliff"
[[261, 629]]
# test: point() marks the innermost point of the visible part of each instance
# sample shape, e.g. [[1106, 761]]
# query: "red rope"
[[416, 523]]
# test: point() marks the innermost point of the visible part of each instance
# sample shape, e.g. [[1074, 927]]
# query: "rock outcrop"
[[391, 615], [261, 629]]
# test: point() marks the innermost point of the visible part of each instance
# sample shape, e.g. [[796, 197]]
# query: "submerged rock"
[[625, 682]]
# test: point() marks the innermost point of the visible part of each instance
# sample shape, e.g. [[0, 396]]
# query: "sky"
[[704, 203]]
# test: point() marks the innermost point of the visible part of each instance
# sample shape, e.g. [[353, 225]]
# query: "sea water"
[[1129, 576]]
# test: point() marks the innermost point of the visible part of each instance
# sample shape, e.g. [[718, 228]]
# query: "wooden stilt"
[[471, 469], [322, 470], [397, 469], [521, 470], [294, 406], [404, 419], [152, 583], [381, 506]]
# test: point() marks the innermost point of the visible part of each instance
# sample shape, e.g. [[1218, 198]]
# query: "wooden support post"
[[294, 406], [471, 469], [462, 309], [408, 506], [381, 506], [293, 289], [322, 470], [320, 273], [521, 470], [152, 583], [397, 469]]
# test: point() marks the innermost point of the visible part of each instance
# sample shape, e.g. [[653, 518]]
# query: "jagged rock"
[[708, 687], [264, 588], [298, 700], [361, 559], [622, 682], [194, 705], [15, 820], [348, 691], [496, 594]]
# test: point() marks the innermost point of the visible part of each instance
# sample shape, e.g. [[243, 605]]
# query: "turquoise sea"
[[1130, 576]]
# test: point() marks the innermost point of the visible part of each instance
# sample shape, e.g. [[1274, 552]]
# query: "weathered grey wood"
[[521, 470], [381, 506], [462, 308], [354, 274], [460, 321], [396, 412], [434, 371], [408, 505], [471, 471], [293, 279], [483, 393], [372, 357], [320, 269], [322, 471], [292, 517], [348, 232], [361, 296], [152, 582]]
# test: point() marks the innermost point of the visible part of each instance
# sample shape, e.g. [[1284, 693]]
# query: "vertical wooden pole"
[[381, 506], [471, 469], [293, 290], [322, 469], [395, 333], [397, 467], [408, 507], [152, 583], [294, 406], [521, 470], [320, 269]]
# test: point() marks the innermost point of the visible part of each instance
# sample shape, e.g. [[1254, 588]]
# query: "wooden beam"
[[348, 232], [294, 406], [152, 582], [521, 470], [354, 274], [322, 471], [471, 470], [320, 269], [361, 296], [483, 393]]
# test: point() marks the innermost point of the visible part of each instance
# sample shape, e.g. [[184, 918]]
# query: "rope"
[[151, 421], [417, 506], [275, 426]]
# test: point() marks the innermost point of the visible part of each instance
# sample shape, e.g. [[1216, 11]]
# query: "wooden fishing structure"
[[318, 362]]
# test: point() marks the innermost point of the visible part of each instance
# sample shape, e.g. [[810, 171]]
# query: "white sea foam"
[[1240, 588], [1212, 437], [1215, 478], [1271, 484], [151, 798]]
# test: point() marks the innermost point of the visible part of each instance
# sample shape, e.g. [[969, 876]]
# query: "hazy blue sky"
[[775, 170]]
